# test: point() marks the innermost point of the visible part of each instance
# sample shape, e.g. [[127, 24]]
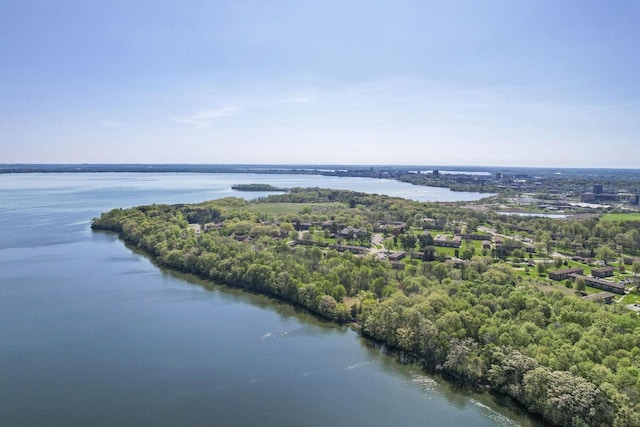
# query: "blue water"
[[93, 333], [534, 214]]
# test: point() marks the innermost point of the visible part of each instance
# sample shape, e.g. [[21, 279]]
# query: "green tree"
[[557, 261], [541, 267], [517, 254], [429, 253], [327, 305], [635, 267], [472, 225], [440, 271], [364, 237], [605, 253], [408, 241], [424, 240]]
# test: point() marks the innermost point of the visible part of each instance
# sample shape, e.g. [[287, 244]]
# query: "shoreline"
[[400, 354], [413, 312]]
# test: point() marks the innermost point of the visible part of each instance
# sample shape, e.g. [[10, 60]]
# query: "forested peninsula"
[[256, 187], [374, 261]]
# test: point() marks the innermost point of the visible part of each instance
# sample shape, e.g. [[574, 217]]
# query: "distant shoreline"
[[505, 181], [312, 169]]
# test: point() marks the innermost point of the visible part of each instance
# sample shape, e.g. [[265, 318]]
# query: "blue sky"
[[514, 83]]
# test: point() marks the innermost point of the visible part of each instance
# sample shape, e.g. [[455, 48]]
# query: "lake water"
[[92, 333], [535, 215]]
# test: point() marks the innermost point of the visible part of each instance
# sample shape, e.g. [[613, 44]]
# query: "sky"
[[496, 83]]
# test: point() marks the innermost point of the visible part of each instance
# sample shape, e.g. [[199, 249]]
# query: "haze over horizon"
[[498, 83]]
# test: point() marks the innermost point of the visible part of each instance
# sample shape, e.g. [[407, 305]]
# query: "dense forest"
[[574, 362], [256, 187]]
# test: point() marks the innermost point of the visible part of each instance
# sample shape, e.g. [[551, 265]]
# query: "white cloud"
[[202, 118]]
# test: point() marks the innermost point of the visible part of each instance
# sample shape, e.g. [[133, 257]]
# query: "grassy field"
[[620, 217], [632, 298], [589, 290], [283, 208], [547, 288], [570, 264], [447, 251]]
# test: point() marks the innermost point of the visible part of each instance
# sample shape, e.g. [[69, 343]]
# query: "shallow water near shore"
[[94, 333]]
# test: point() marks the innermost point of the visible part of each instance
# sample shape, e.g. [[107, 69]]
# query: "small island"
[[507, 303], [256, 187]]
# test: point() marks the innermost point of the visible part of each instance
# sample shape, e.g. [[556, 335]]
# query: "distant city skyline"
[[496, 83]]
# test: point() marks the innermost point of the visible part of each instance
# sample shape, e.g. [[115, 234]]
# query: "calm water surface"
[[92, 333], [535, 214]]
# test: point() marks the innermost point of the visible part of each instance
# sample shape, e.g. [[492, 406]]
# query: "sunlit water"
[[93, 334]]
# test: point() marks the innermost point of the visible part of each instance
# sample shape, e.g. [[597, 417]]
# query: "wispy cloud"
[[202, 118]]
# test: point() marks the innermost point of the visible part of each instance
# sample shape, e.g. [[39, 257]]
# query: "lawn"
[[283, 208], [589, 290], [447, 251], [530, 273], [609, 217], [571, 263], [632, 298]]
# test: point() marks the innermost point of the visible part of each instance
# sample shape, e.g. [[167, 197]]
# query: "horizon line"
[[359, 165]]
